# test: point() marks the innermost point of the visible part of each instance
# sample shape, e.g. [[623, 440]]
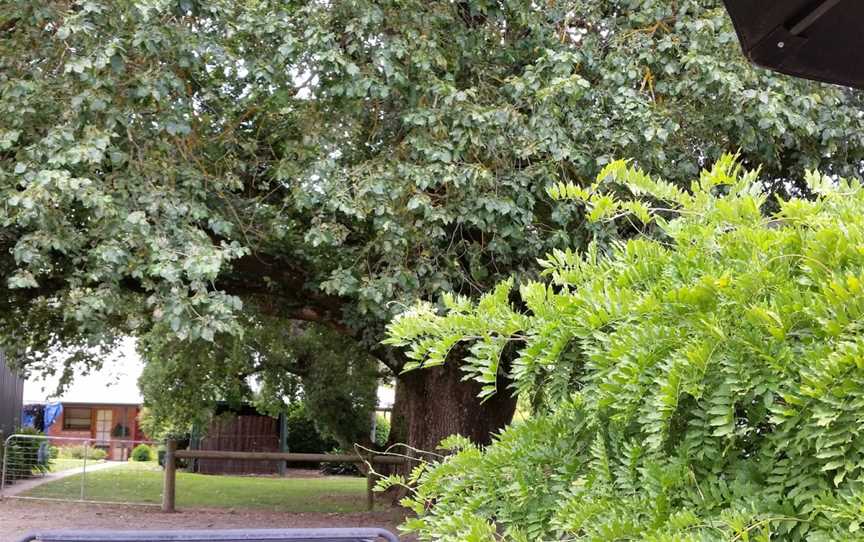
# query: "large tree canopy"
[[702, 384], [187, 168]]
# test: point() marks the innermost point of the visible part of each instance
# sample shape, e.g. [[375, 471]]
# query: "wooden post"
[[370, 485], [283, 442], [168, 488]]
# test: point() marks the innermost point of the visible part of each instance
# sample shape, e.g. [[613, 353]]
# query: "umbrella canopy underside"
[[821, 40]]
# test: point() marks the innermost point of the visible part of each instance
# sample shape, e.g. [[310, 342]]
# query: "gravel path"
[[17, 517]]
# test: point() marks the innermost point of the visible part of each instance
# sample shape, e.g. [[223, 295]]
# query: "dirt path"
[[17, 517], [23, 486]]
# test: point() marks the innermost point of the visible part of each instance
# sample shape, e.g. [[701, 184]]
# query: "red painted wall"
[[118, 448]]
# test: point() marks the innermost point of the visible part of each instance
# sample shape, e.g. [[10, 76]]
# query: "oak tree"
[[181, 170]]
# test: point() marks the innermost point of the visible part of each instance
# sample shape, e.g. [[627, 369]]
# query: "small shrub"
[[70, 452], [382, 430], [142, 452], [77, 452], [303, 436], [96, 454]]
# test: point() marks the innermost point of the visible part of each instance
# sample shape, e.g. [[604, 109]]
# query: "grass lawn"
[[142, 483], [63, 463]]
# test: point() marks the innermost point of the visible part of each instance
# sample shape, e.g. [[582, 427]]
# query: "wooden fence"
[[241, 433], [172, 454]]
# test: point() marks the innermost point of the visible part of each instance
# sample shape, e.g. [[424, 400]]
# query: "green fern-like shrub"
[[702, 381]]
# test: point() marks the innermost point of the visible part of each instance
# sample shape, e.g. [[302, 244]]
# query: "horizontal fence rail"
[[287, 456], [172, 454]]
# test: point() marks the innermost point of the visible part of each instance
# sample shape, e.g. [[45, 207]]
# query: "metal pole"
[[168, 487], [84, 467]]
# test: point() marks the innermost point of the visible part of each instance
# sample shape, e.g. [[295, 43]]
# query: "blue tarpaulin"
[[52, 412], [33, 415], [28, 420]]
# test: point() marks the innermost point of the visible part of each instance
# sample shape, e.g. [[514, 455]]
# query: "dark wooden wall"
[[240, 433], [11, 397]]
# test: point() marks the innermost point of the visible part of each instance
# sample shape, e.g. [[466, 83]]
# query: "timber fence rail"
[[172, 454]]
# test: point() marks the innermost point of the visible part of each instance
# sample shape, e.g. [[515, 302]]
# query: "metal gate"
[[77, 469]]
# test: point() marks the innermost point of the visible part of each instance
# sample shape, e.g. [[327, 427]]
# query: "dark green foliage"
[[336, 381], [303, 435], [160, 429], [702, 383], [120, 431], [142, 452]]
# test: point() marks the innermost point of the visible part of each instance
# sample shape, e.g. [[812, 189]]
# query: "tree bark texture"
[[434, 403]]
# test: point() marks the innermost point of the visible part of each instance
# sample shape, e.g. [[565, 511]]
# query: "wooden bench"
[[236, 535]]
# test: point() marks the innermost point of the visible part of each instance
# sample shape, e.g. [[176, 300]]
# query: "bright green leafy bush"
[[382, 430], [703, 381], [143, 452]]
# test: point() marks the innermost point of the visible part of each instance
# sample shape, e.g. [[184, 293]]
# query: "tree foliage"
[[703, 382], [369, 152], [303, 433], [190, 169]]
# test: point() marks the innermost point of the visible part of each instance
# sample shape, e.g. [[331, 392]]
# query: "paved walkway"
[[24, 486]]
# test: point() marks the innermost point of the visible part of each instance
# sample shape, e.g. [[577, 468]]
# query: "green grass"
[[142, 483], [64, 463]]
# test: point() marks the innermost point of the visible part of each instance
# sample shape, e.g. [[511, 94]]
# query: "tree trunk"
[[434, 403]]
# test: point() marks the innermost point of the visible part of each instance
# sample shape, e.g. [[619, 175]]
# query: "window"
[[76, 419], [103, 425]]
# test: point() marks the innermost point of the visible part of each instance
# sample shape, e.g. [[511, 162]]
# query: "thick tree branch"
[[9, 25]]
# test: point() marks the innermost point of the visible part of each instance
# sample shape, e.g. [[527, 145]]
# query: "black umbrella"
[[814, 39]]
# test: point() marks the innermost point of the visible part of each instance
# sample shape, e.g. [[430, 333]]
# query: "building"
[[11, 398], [101, 406], [109, 426]]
